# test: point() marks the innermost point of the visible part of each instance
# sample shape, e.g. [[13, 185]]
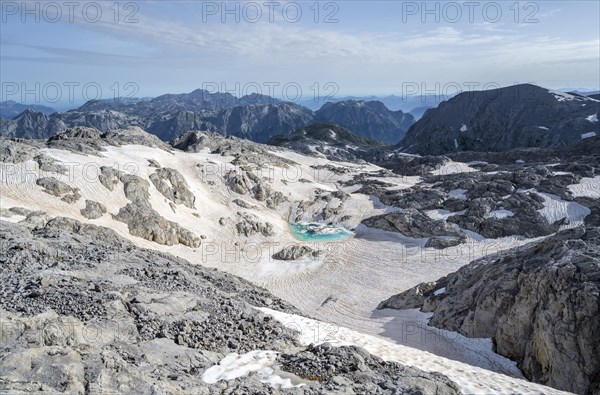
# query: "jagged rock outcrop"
[[145, 222], [173, 186], [539, 303], [15, 151], [250, 225], [412, 223], [141, 219]]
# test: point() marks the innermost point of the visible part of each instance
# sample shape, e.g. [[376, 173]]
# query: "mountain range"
[[254, 117], [496, 120]]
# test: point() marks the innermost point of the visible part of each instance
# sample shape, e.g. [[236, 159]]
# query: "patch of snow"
[[263, 363], [555, 209], [588, 186], [453, 168], [520, 161], [588, 135], [440, 291], [455, 144], [470, 379], [561, 96], [593, 118], [443, 214], [477, 162], [459, 194], [543, 128], [464, 128], [499, 214]]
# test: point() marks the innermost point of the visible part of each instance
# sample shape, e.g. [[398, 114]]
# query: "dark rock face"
[[538, 302], [502, 119], [370, 119], [254, 122]]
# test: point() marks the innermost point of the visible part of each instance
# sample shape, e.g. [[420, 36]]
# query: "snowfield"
[[340, 288], [471, 379]]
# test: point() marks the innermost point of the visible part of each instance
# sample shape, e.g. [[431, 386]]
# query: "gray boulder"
[[58, 188], [292, 253], [93, 210]]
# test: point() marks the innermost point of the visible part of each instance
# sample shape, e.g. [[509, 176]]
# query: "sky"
[[63, 53]]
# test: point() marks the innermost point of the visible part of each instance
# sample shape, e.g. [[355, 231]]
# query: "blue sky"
[[147, 48]]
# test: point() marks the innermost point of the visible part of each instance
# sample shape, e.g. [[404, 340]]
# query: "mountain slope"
[[501, 119], [370, 119], [327, 140]]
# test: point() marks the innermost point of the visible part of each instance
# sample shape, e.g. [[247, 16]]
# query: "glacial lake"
[[313, 231]]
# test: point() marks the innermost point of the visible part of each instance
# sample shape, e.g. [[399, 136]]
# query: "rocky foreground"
[[540, 303], [85, 311]]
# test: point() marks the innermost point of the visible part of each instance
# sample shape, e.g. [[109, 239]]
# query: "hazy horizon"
[[73, 52]]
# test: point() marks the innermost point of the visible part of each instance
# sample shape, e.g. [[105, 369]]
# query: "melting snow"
[[587, 186], [555, 209], [458, 194], [261, 362], [561, 96], [588, 135], [499, 214], [443, 214]]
